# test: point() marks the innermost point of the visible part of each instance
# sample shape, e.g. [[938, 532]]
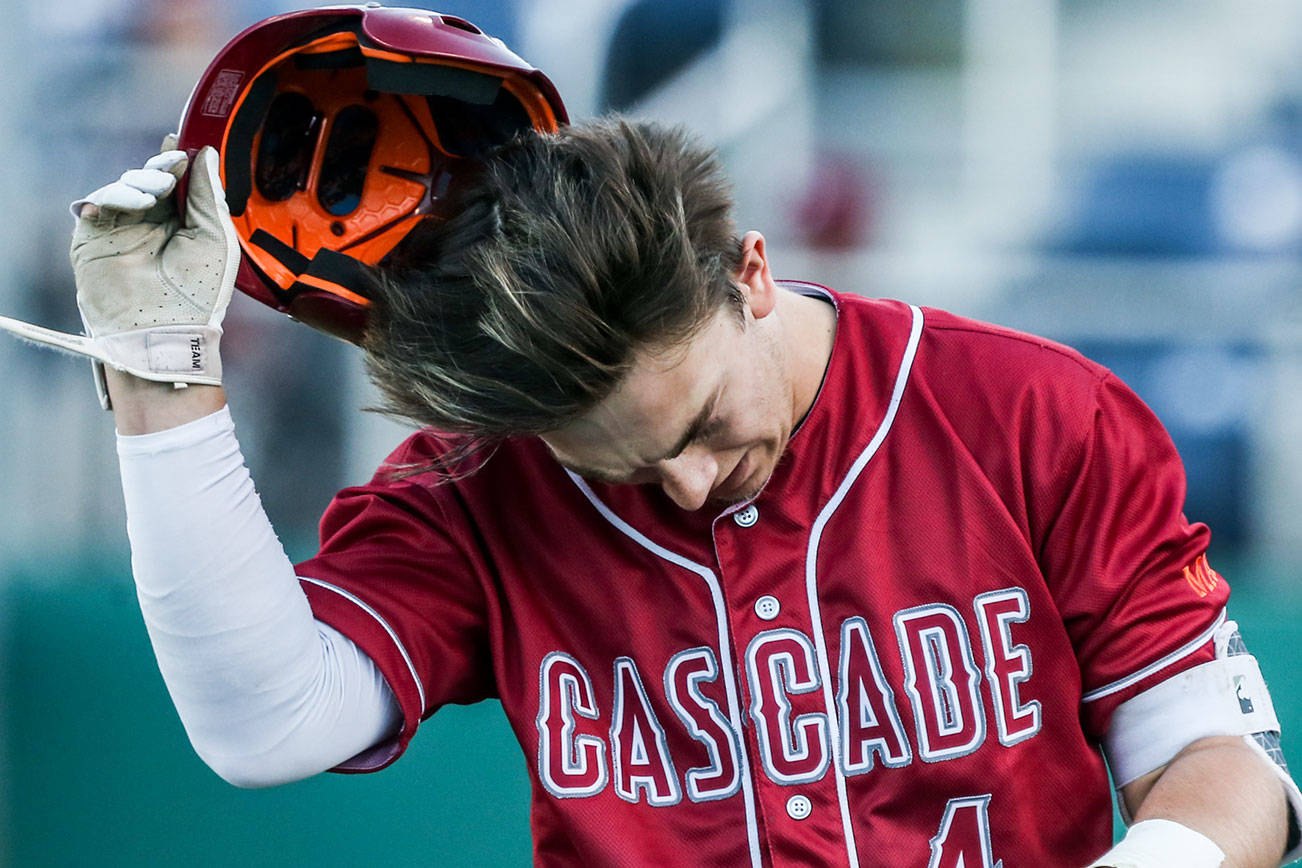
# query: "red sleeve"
[[1126, 567], [395, 573]]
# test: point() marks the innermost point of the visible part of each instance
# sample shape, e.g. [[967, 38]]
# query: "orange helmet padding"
[[406, 149], [342, 129]]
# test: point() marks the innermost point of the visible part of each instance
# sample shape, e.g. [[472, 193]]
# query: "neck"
[[809, 326]]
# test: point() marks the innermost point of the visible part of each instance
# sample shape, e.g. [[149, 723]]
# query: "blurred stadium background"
[[1125, 177]]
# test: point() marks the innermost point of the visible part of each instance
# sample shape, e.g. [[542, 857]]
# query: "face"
[[706, 420]]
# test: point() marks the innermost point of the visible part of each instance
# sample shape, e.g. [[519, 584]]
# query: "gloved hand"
[[152, 290]]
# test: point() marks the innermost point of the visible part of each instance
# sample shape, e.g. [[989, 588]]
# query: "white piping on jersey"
[[811, 572], [725, 652], [1177, 654], [411, 667]]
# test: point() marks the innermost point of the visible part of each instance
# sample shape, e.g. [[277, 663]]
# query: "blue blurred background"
[[1124, 177]]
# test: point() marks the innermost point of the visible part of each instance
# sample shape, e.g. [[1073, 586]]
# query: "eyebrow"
[[693, 431]]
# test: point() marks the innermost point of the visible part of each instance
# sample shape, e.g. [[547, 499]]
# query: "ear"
[[754, 276]]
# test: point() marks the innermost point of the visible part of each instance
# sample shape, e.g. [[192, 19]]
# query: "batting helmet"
[[340, 130]]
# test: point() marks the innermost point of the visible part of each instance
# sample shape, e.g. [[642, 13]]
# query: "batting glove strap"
[[1162, 844], [166, 354]]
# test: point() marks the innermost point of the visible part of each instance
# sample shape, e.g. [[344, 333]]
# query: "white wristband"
[[1162, 844]]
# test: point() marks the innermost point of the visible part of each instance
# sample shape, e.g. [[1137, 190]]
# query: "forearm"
[[144, 406], [1224, 790], [266, 694]]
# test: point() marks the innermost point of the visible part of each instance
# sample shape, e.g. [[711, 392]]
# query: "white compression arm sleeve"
[[267, 694]]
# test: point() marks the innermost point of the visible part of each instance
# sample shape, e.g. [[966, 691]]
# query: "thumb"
[[205, 203]]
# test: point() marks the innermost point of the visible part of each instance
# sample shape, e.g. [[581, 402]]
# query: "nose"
[[688, 478]]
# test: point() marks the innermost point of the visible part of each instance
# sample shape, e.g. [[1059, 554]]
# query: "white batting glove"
[[152, 290]]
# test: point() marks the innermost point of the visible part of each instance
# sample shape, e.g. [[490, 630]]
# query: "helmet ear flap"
[[341, 131]]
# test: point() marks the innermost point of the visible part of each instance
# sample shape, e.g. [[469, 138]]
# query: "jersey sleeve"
[[1129, 572], [396, 573]]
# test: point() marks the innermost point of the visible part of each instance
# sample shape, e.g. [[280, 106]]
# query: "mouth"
[[732, 483]]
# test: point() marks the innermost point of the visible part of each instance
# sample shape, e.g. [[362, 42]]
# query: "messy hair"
[[570, 251]]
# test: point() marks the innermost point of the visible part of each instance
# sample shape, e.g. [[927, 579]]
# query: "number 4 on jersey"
[[964, 837]]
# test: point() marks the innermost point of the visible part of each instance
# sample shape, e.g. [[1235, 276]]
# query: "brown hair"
[[570, 252]]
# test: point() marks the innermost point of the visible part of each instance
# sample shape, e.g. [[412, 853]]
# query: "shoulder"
[[433, 468], [1000, 353], [1013, 402], [949, 338], [955, 361], [449, 463], [988, 372]]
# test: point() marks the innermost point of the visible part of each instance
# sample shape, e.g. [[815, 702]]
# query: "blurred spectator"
[[836, 211]]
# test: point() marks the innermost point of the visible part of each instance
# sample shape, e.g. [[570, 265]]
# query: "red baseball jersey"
[[903, 651]]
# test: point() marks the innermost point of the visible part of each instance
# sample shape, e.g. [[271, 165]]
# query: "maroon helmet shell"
[[340, 130]]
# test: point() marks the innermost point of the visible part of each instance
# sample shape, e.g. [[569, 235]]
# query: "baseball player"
[[762, 573]]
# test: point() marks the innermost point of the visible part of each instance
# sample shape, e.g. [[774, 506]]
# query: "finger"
[[205, 204], [169, 142], [209, 217], [157, 178], [150, 181], [172, 161], [115, 198]]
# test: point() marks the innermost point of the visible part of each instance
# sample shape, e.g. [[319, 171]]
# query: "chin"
[[744, 489], [726, 499], [740, 498]]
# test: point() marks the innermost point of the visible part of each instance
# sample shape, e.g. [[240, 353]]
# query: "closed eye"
[[698, 435]]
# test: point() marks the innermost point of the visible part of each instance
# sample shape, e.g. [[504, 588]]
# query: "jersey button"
[[767, 607], [799, 807], [746, 517]]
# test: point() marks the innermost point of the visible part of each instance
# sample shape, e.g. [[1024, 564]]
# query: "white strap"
[[1223, 697], [180, 353], [1162, 844]]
